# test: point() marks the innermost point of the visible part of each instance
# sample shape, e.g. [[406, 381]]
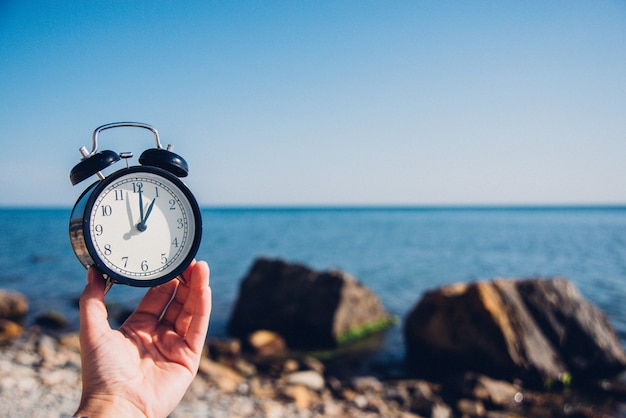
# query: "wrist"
[[107, 406]]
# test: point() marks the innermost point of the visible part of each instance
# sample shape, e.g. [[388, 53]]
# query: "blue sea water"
[[398, 253]]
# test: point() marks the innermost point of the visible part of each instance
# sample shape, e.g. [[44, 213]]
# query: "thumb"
[[93, 313]]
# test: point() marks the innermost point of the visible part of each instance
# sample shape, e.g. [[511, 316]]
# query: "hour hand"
[[148, 211]]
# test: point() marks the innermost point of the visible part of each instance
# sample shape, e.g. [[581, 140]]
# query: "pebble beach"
[[40, 378]]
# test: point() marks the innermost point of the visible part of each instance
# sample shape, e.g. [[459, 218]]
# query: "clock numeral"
[[119, 195], [107, 249], [137, 187], [125, 261], [144, 265], [172, 204], [175, 242], [156, 191], [180, 223], [107, 210], [99, 230], [163, 258]]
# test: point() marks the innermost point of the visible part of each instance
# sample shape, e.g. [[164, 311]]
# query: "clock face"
[[143, 226]]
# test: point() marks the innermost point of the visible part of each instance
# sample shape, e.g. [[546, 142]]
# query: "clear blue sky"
[[323, 102]]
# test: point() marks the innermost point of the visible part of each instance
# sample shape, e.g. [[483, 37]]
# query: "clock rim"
[[98, 187]]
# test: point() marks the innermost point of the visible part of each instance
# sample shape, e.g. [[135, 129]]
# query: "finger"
[[93, 313], [197, 326], [182, 293], [188, 306], [156, 299], [182, 309]]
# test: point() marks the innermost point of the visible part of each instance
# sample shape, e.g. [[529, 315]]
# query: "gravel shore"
[[40, 378]]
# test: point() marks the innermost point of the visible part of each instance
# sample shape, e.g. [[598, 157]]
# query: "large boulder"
[[309, 309], [536, 329]]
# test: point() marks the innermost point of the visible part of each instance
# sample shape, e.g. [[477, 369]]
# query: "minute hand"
[[140, 207]]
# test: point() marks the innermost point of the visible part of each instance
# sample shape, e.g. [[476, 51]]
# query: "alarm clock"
[[140, 225]]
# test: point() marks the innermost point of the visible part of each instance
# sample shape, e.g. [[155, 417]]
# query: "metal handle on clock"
[[94, 139]]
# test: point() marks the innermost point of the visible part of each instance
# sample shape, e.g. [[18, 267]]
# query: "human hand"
[[144, 368]]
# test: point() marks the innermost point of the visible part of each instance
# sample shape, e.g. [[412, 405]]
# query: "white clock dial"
[[142, 226]]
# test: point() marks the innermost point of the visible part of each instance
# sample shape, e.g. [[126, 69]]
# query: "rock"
[[243, 367], [13, 305], [27, 358], [224, 348], [51, 320], [225, 378], [470, 407], [267, 343], [497, 392], [9, 330], [309, 379], [58, 377], [263, 388], [311, 310], [441, 410], [70, 341], [424, 396], [536, 329], [398, 396], [360, 401], [367, 384], [47, 348], [299, 394], [290, 365], [311, 363], [583, 335], [273, 409]]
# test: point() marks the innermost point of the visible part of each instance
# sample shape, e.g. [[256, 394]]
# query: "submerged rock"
[[537, 329], [310, 309], [53, 320]]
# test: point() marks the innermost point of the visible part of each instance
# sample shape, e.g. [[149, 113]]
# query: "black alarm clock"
[[140, 225]]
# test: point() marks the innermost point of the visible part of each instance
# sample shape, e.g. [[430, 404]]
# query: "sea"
[[396, 252]]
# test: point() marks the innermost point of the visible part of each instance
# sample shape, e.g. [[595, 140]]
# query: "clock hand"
[[140, 208], [129, 211], [148, 212], [133, 227]]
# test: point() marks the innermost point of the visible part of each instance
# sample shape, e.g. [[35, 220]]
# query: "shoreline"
[[40, 377]]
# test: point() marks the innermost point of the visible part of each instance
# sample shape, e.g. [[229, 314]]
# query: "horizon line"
[[363, 206]]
